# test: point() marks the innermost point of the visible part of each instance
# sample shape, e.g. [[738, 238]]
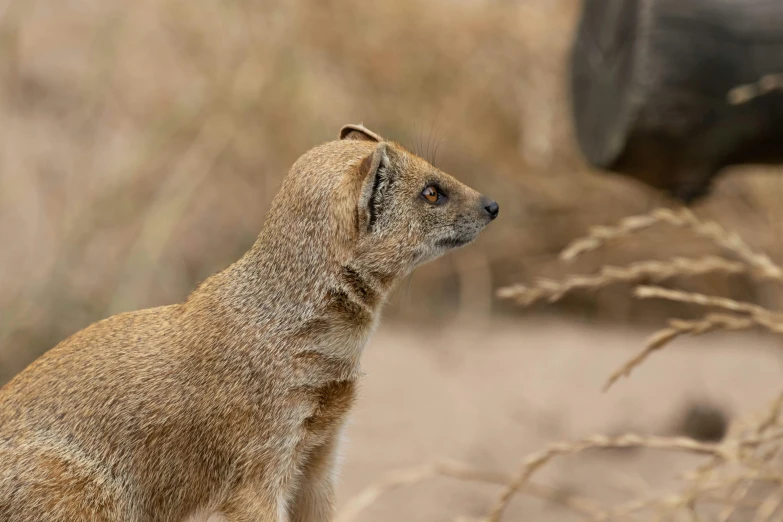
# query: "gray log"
[[651, 83]]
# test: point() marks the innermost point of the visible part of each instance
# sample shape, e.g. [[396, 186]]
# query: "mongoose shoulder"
[[232, 402]]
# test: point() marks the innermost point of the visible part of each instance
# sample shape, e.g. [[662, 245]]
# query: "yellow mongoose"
[[232, 403]]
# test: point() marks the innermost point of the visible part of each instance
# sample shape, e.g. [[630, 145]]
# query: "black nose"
[[492, 209]]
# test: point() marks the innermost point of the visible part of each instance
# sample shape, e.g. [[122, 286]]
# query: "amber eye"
[[430, 194]]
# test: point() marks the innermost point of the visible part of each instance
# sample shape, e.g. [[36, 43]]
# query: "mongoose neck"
[[296, 286]]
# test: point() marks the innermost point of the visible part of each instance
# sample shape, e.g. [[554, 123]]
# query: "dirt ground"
[[489, 394]]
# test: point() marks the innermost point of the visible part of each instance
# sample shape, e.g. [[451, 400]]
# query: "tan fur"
[[231, 404]]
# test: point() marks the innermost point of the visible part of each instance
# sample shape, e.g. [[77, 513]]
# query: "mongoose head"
[[372, 206], [407, 209]]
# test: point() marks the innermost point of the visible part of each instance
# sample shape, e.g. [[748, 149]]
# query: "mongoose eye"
[[432, 194]]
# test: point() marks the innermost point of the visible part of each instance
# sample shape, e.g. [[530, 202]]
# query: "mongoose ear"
[[378, 180], [358, 132]]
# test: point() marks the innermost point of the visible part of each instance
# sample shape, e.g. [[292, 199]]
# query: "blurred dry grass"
[[141, 144], [739, 476]]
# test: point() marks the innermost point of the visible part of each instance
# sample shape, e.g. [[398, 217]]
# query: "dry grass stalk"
[[746, 458], [738, 492], [535, 461], [707, 301], [680, 327], [406, 477], [758, 317], [749, 261], [551, 291], [589, 508], [738, 452], [735, 466], [682, 218]]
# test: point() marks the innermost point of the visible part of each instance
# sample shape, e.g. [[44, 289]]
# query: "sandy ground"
[[489, 395]]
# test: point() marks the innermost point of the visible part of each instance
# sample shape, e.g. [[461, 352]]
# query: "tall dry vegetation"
[[141, 143], [738, 478]]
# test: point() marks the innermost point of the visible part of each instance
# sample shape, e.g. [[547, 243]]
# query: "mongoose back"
[[230, 405]]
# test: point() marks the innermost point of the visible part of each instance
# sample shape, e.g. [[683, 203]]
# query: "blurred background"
[[142, 142]]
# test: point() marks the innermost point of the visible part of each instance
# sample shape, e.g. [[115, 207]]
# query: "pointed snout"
[[490, 207]]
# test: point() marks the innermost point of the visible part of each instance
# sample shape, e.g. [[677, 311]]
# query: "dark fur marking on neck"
[[341, 304], [384, 279], [362, 288], [333, 401], [317, 367], [452, 242], [311, 329]]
